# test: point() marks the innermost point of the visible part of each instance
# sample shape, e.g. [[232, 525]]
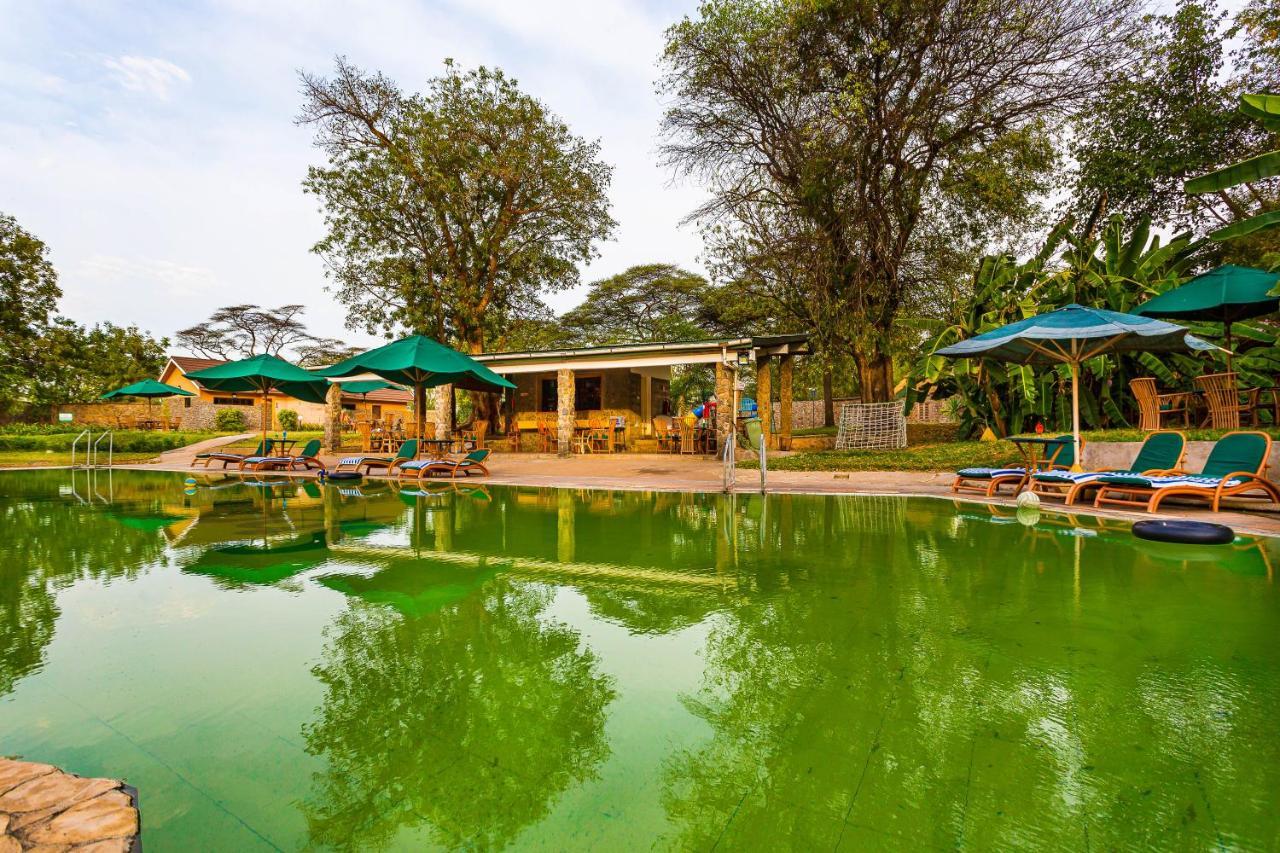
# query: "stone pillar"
[[786, 376], [567, 412], [725, 414], [333, 418], [764, 399], [444, 411]]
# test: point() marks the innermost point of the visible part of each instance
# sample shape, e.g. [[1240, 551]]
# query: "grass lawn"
[[34, 458], [948, 455], [941, 456]]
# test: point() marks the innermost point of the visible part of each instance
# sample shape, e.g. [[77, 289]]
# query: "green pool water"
[[285, 666]]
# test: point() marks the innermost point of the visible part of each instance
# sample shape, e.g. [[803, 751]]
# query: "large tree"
[[28, 300], [648, 302], [1162, 120], [452, 207], [853, 122], [83, 363]]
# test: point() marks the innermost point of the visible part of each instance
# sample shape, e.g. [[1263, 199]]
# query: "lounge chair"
[[263, 449], [308, 456], [1161, 453], [987, 481], [473, 462], [1237, 465], [407, 452]]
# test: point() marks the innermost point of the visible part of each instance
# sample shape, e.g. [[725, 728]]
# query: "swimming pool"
[[281, 665]]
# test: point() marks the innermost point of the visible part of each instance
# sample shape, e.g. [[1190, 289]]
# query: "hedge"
[[126, 441]]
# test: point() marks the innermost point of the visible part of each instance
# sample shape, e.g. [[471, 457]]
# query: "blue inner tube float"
[[342, 475], [1183, 532]]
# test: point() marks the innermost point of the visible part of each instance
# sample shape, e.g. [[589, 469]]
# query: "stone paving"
[[45, 809]]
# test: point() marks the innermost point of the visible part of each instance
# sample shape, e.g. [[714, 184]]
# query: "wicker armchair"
[[1222, 398], [1154, 407]]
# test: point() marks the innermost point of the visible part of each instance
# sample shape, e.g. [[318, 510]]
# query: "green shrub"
[[229, 420], [288, 419]]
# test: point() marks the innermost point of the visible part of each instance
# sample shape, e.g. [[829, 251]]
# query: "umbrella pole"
[[419, 415], [1075, 414], [1226, 327]]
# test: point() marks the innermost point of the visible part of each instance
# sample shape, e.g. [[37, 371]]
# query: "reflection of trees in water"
[[48, 542], [959, 682], [469, 720]]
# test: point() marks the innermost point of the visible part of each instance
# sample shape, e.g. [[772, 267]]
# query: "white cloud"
[[159, 208], [147, 74], [178, 279]]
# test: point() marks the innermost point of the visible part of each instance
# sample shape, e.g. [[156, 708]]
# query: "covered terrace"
[[631, 384]]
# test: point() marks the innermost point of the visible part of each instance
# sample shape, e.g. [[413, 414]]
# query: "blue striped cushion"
[[351, 460], [1167, 481], [989, 473], [257, 459], [423, 463], [1066, 476]]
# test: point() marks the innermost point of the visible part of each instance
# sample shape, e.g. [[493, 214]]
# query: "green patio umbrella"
[[1224, 295], [1071, 335], [148, 389], [422, 363], [262, 374]]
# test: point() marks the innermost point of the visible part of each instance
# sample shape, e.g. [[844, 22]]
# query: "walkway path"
[[183, 456], [42, 807]]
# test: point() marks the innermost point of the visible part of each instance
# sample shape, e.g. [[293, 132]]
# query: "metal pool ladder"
[[110, 435], [92, 448]]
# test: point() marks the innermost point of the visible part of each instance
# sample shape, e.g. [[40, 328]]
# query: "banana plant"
[[1116, 268], [1265, 109]]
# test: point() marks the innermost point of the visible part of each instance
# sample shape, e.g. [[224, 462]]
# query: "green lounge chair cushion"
[[1237, 451], [1160, 452]]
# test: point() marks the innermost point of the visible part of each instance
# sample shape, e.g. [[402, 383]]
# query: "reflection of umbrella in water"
[[147, 522], [262, 564], [412, 587]]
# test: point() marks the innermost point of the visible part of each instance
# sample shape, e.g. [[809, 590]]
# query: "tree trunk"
[[875, 375], [828, 399]]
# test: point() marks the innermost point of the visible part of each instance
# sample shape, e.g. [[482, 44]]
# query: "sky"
[[151, 145]]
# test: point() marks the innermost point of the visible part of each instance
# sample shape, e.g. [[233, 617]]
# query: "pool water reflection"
[[286, 665]]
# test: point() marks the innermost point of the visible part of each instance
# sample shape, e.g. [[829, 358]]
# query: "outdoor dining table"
[[1035, 449], [441, 446]]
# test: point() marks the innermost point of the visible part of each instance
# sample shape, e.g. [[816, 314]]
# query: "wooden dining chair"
[[1154, 407], [1222, 398], [476, 434], [600, 434], [688, 435]]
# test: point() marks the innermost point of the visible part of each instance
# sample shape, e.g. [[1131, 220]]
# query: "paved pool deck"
[[669, 472], [43, 808]]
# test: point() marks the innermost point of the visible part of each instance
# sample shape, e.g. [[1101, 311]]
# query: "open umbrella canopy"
[[366, 386], [262, 374], [147, 388], [420, 361], [1224, 295], [1073, 334]]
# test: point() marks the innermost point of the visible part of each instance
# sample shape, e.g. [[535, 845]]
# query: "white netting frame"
[[865, 426]]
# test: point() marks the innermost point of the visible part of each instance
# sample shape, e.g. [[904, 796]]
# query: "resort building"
[[630, 384]]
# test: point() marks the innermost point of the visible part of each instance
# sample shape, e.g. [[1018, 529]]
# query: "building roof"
[[188, 363], [647, 354]]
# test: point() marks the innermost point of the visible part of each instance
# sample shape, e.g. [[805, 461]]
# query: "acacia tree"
[[450, 208], [858, 120], [241, 331]]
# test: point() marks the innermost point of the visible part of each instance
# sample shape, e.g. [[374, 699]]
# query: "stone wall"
[[106, 413]]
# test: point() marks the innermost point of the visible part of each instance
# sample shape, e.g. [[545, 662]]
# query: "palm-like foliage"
[[1116, 269], [1265, 109]]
